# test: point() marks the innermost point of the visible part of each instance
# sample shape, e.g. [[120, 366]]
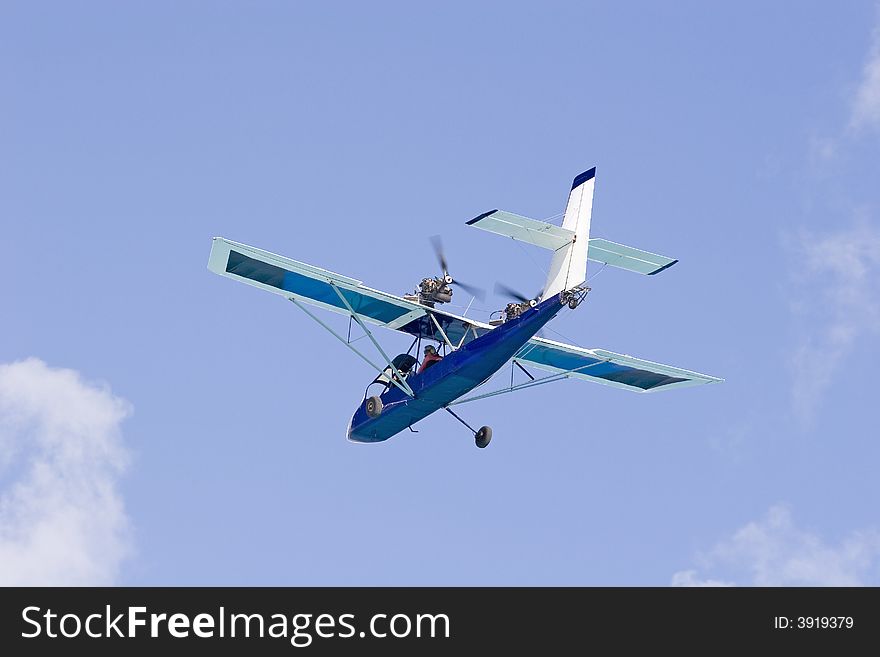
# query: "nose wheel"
[[482, 438], [373, 407]]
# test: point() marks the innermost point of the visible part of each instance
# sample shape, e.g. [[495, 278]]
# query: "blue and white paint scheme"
[[475, 350], [454, 376]]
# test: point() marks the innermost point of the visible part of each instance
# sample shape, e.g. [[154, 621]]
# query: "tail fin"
[[569, 265]]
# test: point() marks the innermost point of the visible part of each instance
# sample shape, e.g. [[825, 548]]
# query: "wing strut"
[[405, 386], [402, 384], [550, 378], [442, 332]]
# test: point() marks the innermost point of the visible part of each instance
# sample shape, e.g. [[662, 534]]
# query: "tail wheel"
[[374, 407], [483, 437]]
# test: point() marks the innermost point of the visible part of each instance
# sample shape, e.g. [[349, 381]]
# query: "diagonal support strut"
[[404, 385], [346, 343], [550, 378]]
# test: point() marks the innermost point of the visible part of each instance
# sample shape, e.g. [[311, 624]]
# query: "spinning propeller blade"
[[503, 290], [437, 243], [479, 293]]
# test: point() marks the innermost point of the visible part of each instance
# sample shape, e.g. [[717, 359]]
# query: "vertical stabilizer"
[[569, 265]]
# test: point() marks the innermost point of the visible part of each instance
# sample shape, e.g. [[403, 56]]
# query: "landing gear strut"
[[574, 296], [481, 437]]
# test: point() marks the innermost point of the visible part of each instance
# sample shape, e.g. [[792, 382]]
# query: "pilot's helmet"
[[429, 349]]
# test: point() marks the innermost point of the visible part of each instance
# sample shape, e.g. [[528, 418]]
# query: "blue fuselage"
[[456, 375]]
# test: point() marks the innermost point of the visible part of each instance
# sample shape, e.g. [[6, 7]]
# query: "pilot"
[[431, 357]]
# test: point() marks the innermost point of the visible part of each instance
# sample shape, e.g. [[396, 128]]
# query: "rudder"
[[568, 268]]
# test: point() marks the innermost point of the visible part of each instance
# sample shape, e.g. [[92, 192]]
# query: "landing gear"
[[574, 296], [481, 437], [373, 407]]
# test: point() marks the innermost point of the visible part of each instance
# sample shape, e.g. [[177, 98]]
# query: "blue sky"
[[162, 425]]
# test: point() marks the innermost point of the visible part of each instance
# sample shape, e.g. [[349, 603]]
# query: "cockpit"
[[404, 364]]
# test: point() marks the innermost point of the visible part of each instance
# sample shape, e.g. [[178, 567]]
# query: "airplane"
[[474, 351]]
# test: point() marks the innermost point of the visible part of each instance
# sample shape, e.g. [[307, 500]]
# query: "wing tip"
[[666, 266], [482, 216]]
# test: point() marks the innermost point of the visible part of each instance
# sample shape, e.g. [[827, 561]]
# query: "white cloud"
[[866, 106], [774, 552], [839, 282], [62, 518], [690, 578], [839, 272], [822, 152]]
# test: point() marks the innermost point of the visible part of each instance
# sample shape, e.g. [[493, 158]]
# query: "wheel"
[[483, 437], [572, 303], [374, 407], [533, 302]]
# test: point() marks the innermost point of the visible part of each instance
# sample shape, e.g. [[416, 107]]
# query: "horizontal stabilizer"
[[523, 229], [607, 367], [626, 257], [553, 237]]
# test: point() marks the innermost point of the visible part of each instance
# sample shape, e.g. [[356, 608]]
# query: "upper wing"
[[608, 368], [313, 285]]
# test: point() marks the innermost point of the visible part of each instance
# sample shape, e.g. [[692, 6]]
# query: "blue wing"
[[607, 367], [313, 285]]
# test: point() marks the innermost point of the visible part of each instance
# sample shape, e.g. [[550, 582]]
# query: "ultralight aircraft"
[[474, 350]]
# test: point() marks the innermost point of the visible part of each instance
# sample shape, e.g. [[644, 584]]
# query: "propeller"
[[437, 243], [503, 290], [471, 289]]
